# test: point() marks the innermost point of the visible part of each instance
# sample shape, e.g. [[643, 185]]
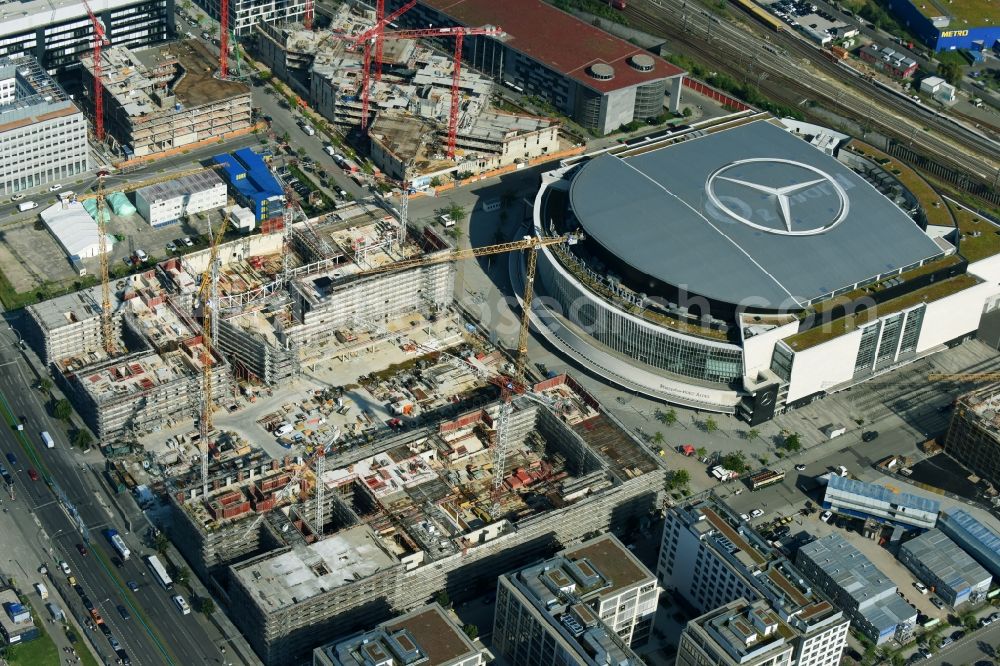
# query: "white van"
[[309, 130], [181, 604], [329, 150], [47, 438], [284, 429], [27, 205]]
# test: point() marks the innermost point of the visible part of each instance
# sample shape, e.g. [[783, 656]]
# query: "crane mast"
[[100, 40]]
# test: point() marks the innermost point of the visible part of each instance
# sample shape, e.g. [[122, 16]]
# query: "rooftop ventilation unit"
[[641, 62], [602, 71]]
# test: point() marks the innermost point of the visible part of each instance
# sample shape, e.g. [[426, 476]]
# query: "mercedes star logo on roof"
[[788, 187]]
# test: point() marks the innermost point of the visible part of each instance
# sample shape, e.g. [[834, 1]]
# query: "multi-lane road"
[[156, 632]]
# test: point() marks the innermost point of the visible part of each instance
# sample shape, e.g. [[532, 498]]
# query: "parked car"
[[937, 603], [744, 517], [172, 247], [756, 513], [921, 588], [869, 436], [800, 467], [16, 197], [946, 641], [140, 256], [825, 516], [55, 188]]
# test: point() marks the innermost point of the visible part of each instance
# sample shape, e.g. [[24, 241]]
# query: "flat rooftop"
[[747, 631], [964, 14], [558, 40], [185, 186], [35, 98], [946, 560], [775, 221], [618, 566], [134, 376], [424, 636], [302, 572], [873, 491], [18, 16]]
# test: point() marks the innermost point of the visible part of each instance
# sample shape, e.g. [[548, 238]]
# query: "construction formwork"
[[252, 354]]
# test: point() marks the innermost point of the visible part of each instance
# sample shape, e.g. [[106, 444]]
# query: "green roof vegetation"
[[965, 13], [974, 248], [875, 287], [825, 331], [933, 205]]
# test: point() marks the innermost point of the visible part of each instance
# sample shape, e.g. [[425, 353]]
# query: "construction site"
[[309, 552], [165, 97], [425, 115]]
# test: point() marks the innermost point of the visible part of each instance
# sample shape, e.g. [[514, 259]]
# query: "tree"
[[752, 434], [45, 384], [792, 442], [679, 479], [161, 543], [701, 451], [969, 621], [670, 417], [62, 410], [950, 72], [710, 425], [735, 461], [435, 182], [456, 212], [472, 631], [658, 437], [206, 605], [82, 438], [182, 576], [443, 599]]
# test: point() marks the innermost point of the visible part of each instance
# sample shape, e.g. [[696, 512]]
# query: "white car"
[[825, 516], [55, 188], [65, 567], [744, 517], [16, 197], [921, 588], [800, 467], [756, 513], [187, 241], [141, 256]]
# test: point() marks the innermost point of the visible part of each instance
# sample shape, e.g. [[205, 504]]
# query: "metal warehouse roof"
[[882, 494], [198, 182], [943, 558], [751, 214], [974, 530]]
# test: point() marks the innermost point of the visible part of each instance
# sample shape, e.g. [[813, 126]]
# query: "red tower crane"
[[223, 39], [100, 39], [365, 39], [458, 34]]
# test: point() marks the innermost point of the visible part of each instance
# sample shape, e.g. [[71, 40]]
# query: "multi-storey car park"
[[43, 134], [599, 80], [58, 32], [739, 268], [407, 516], [166, 97]]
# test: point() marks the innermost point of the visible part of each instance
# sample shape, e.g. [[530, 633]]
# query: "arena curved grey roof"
[[749, 215]]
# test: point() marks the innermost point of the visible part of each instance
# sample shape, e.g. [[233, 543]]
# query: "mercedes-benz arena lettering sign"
[[765, 194]]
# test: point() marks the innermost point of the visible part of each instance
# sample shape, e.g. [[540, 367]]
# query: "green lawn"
[[39, 652]]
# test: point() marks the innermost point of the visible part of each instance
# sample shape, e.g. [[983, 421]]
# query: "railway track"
[[780, 64]]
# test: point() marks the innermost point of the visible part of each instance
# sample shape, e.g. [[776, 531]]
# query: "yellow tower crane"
[[102, 242]]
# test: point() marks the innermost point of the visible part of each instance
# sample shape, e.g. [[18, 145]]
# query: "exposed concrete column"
[[676, 85]]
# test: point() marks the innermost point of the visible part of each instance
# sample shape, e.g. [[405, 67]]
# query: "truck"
[[47, 438], [118, 543], [43, 591], [723, 474], [26, 205], [765, 478]]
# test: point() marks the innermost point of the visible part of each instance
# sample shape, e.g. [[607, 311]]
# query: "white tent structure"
[[74, 229]]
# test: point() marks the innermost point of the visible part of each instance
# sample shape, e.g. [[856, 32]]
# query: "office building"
[[425, 637], [166, 203], [43, 134], [863, 592], [58, 32], [600, 81], [581, 607], [712, 558], [253, 184], [737, 634], [245, 14], [870, 500], [973, 436], [954, 576], [979, 541], [168, 97]]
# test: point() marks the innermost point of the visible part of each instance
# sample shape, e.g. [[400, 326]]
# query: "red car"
[[83, 549], [32, 474]]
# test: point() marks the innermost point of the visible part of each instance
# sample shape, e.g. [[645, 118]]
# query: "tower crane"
[[459, 33], [510, 385], [375, 34], [223, 39], [100, 39]]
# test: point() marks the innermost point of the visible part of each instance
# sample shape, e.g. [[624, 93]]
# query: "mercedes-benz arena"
[[742, 269]]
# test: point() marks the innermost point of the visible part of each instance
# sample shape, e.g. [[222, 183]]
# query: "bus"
[[118, 543], [159, 572]]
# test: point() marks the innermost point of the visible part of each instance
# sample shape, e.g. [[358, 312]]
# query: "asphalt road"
[[156, 632], [978, 646]]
